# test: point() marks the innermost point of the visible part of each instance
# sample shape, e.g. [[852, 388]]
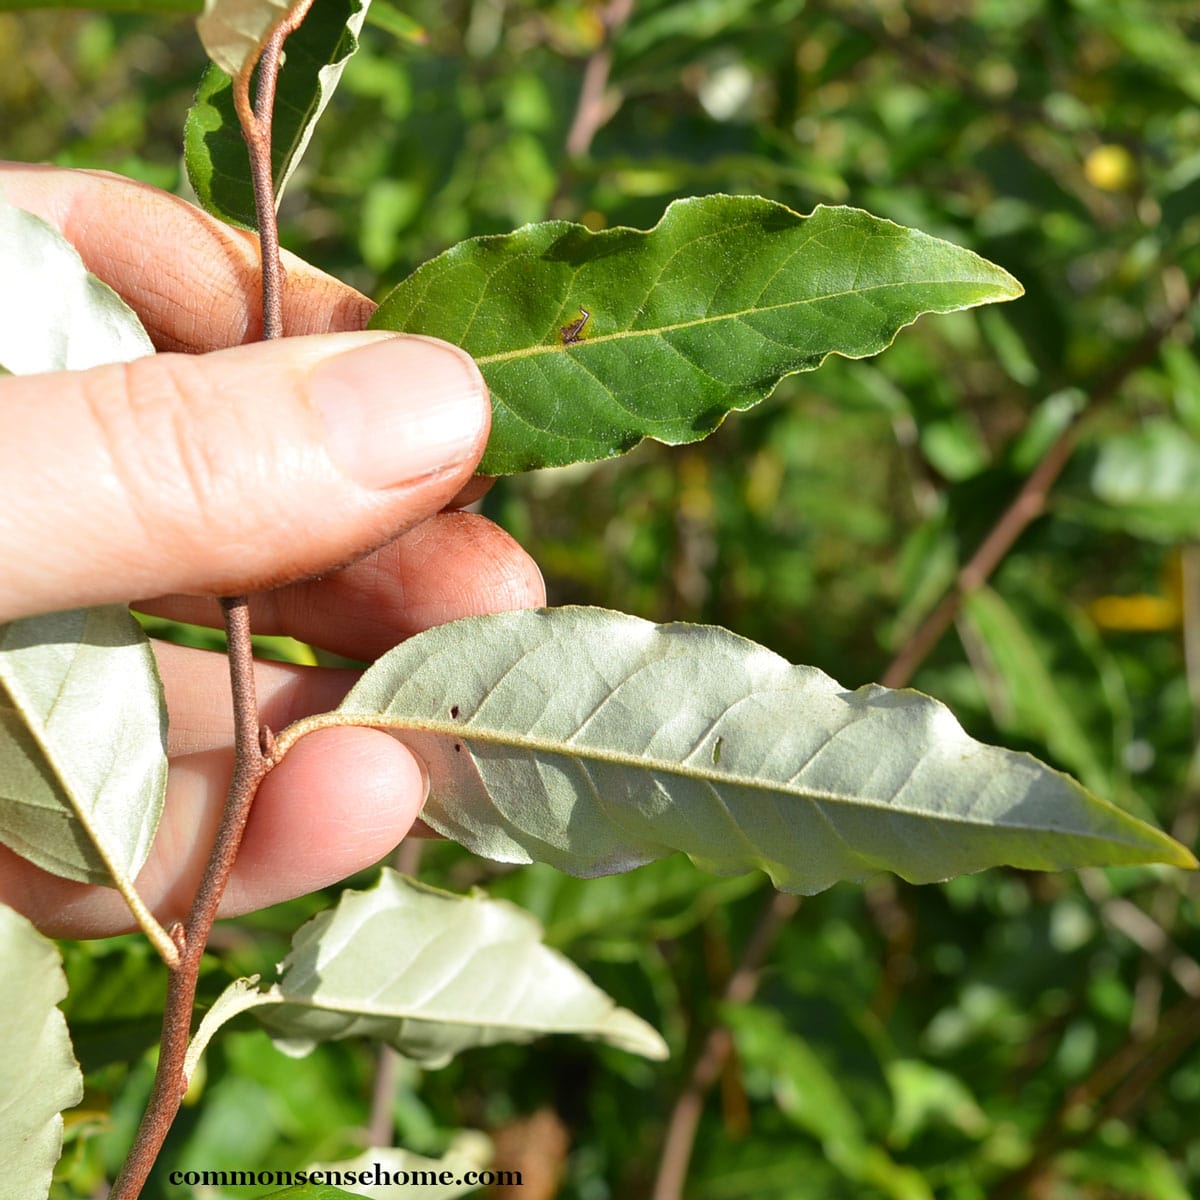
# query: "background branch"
[[718, 1046], [592, 109]]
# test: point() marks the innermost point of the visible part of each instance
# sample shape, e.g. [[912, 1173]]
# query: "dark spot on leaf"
[[571, 332], [454, 710], [457, 747]]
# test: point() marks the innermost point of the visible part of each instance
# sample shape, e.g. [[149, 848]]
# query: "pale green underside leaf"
[[54, 315], [240, 996], [430, 973], [39, 1076], [595, 741], [83, 764], [214, 151], [699, 316], [231, 31]]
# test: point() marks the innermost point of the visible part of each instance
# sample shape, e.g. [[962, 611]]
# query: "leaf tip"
[[1178, 855]]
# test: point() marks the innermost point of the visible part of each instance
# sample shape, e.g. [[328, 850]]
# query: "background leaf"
[[1145, 481], [431, 974], [83, 760], [54, 315], [703, 314], [1047, 677], [39, 1076], [784, 1065], [596, 741], [215, 153]]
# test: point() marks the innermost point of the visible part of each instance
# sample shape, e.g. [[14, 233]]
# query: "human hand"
[[192, 475]]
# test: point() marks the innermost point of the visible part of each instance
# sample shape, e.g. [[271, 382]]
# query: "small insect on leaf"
[[571, 332]]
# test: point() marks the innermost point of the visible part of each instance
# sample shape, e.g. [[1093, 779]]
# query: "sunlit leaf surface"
[[701, 315], [39, 1076], [83, 760], [432, 974], [596, 741]]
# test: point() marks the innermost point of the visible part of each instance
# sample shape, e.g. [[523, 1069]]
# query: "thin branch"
[[714, 1054], [381, 1124], [170, 1082], [1028, 504], [592, 109], [256, 122], [1149, 935], [254, 749]]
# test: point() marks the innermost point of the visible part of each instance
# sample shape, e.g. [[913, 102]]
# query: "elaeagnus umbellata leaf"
[[595, 741], [430, 973], [39, 1076], [218, 165], [591, 342]]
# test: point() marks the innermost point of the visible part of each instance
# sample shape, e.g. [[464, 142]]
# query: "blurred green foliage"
[[1005, 1035]]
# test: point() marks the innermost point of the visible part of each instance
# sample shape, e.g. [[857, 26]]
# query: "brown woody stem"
[[718, 1046], [250, 766], [252, 745]]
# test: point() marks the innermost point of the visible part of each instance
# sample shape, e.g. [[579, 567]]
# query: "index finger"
[[192, 280]]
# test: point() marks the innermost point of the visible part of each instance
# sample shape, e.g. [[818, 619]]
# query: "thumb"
[[228, 472]]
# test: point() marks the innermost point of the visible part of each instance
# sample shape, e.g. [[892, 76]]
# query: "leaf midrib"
[[37, 725], [739, 314], [465, 734], [362, 1008]]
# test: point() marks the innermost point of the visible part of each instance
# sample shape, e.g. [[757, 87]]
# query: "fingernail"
[[399, 409]]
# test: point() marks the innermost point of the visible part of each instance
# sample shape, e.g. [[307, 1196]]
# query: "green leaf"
[[927, 1097], [215, 153], [83, 761], [701, 315], [1047, 675], [805, 1089], [39, 1076], [54, 315], [813, 1097], [399, 24], [231, 31], [430, 973], [595, 741], [1150, 36], [1145, 482]]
